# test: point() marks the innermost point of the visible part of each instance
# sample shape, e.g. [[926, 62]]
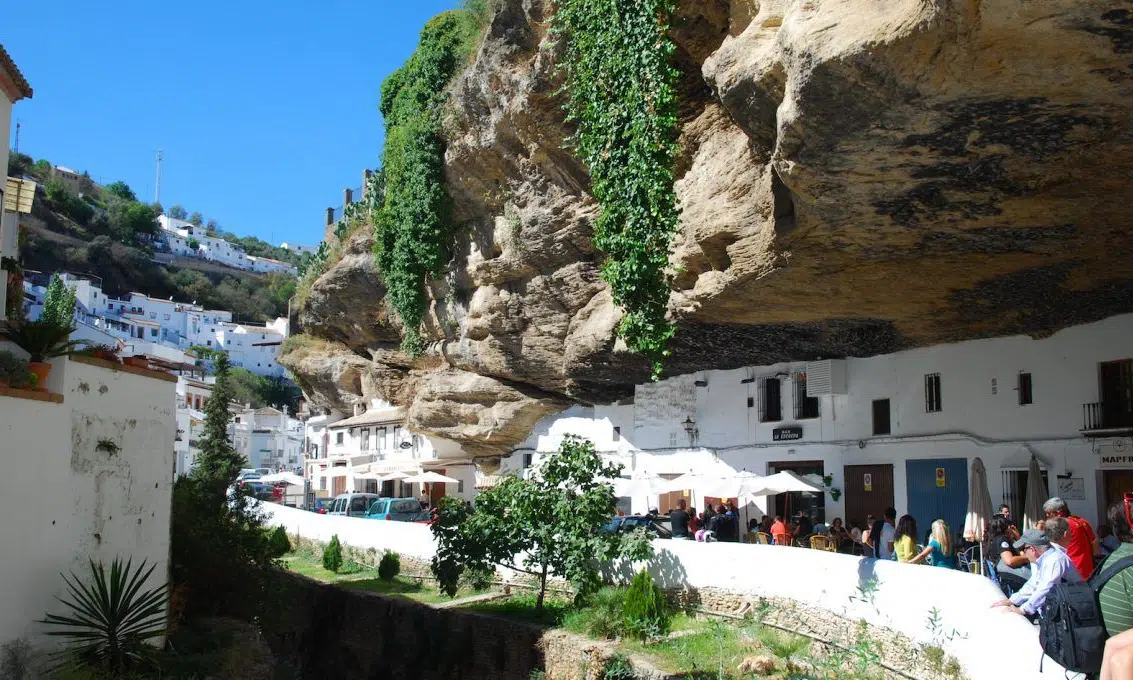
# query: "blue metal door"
[[930, 499]]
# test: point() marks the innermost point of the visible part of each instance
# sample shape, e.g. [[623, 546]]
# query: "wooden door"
[[339, 485], [937, 489], [1117, 484], [668, 501], [436, 492], [869, 490]]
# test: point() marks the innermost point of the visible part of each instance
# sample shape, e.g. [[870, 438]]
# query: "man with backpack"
[[1050, 566], [1082, 544]]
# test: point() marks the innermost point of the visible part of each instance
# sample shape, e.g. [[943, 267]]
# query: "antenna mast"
[[157, 184]]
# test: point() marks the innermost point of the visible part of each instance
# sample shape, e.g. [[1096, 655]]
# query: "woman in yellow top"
[[905, 542]]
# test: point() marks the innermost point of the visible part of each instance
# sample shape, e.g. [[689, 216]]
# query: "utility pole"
[[157, 184]]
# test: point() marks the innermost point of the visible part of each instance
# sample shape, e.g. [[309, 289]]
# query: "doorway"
[[937, 489], [869, 491], [436, 491], [1116, 484], [788, 505]]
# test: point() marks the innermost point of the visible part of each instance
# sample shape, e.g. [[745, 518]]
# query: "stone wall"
[[330, 632]]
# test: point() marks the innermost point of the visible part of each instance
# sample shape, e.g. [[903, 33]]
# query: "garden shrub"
[[390, 566], [332, 555], [607, 613], [280, 544], [619, 668], [646, 611]]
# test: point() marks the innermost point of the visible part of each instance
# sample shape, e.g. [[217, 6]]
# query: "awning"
[[397, 466], [1021, 460]]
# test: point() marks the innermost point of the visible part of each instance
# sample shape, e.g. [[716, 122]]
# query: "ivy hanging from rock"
[[412, 230], [620, 89]]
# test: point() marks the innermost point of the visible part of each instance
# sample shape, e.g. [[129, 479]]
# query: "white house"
[[266, 265], [13, 88], [896, 430], [268, 438], [354, 453], [192, 396]]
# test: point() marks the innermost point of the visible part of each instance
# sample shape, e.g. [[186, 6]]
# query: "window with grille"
[[932, 402], [881, 424], [772, 400], [338, 438], [365, 439], [805, 407], [1024, 388]]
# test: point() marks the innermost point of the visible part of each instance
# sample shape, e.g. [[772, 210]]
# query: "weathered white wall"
[[62, 501], [903, 594]]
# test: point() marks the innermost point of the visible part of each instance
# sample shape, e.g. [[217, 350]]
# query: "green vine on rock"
[[413, 231], [620, 89]]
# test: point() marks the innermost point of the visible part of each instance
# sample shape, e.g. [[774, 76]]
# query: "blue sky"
[[265, 111]]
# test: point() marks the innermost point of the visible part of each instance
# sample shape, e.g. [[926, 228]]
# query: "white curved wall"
[[992, 644]]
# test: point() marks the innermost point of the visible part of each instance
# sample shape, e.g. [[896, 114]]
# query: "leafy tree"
[[178, 212], [549, 524], [197, 219], [130, 219], [121, 190], [19, 164], [211, 226], [42, 169], [59, 304], [194, 244], [67, 203], [157, 208]]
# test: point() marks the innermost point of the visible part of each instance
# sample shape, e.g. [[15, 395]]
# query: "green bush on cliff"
[[413, 226], [620, 89], [332, 555]]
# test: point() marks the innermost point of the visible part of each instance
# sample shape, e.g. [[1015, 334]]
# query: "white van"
[[352, 504]]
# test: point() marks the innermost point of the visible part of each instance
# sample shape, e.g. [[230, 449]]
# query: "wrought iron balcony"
[[1106, 418]]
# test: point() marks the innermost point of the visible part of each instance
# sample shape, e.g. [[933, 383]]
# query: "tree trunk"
[[542, 590]]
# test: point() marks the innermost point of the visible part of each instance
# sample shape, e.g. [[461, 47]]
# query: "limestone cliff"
[[856, 177]]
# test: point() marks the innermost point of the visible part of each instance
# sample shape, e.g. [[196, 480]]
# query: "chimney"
[[329, 230], [330, 217], [347, 198], [365, 182]]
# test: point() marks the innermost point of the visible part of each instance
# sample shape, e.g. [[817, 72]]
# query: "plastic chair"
[[764, 538], [782, 539], [968, 561], [826, 543]]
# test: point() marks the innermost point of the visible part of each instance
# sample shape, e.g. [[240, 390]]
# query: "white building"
[[268, 438], [192, 396], [13, 88], [266, 265], [354, 453], [899, 429]]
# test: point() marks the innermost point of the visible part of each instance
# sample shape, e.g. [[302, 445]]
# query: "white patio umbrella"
[[786, 482], [1036, 496], [393, 477], [643, 485], [979, 508], [430, 478]]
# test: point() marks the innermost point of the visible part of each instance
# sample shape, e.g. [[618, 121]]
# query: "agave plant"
[[112, 618], [43, 340]]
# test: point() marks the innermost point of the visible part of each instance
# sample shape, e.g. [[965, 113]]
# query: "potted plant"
[[14, 372], [104, 352], [42, 340], [138, 361]]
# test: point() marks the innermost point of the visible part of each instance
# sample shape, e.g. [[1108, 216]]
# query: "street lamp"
[[691, 431]]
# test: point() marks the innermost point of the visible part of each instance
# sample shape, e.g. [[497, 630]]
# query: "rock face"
[[856, 178]]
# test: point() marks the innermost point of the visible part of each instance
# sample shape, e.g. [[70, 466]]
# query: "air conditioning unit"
[[825, 378]]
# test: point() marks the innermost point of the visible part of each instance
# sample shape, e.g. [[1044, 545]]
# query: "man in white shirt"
[[884, 545], [1051, 565]]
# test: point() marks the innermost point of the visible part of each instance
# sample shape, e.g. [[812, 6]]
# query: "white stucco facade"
[[268, 438], [13, 88], [980, 415], [66, 498]]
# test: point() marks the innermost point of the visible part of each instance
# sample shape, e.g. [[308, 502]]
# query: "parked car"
[[658, 526], [321, 505], [264, 492], [396, 510], [352, 504]]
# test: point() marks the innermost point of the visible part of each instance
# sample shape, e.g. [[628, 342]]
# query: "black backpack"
[[1071, 629]]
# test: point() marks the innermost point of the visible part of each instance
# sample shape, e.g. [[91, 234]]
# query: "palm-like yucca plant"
[[43, 340], [112, 618]]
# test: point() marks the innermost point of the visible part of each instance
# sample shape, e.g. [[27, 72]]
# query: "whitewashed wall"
[[990, 644], [63, 501]]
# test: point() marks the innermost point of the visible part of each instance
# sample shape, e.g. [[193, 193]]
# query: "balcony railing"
[[1100, 416]]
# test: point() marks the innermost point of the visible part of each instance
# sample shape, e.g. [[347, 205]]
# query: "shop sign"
[[1112, 462], [941, 481], [867, 482], [787, 434]]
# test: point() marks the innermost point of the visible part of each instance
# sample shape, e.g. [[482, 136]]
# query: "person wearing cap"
[[1051, 565]]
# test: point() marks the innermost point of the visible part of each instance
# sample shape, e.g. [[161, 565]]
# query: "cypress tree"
[[219, 463]]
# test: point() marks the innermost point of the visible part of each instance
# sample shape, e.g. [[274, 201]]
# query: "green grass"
[[362, 577], [522, 607]]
